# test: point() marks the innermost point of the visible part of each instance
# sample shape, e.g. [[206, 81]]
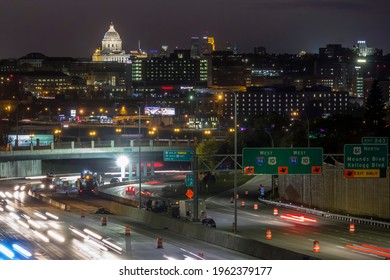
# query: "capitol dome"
[[111, 42]]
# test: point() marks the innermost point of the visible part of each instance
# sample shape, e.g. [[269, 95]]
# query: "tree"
[[375, 110]]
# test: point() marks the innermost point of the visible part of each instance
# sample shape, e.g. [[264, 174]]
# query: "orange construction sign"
[[316, 170], [189, 193], [282, 169]]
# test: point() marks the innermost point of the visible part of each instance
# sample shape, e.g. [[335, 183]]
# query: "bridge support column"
[[152, 168], [131, 143], [130, 170], [51, 146], [21, 168], [170, 142], [72, 145], [137, 170], [145, 169], [92, 144], [151, 142], [112, 143]]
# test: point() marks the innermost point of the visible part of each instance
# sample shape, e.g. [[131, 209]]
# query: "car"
[[114, 180], [130, 190], [103, 211], [3, 202], [209, 222]]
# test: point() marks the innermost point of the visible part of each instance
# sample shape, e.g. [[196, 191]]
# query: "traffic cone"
[[351, 228], [104, 221], [237, 196], [276, 211], [127, 230], [316, 247], [231, 200], [246, 192], [242, 203], [255, 206], [268, 234], [159, 243]]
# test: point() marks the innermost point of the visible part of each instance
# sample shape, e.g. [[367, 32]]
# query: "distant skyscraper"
[[202, 46], [195, 47], [362, 50], [207, 45]]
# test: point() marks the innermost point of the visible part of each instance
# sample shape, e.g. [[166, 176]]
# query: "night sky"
[[76, 27]]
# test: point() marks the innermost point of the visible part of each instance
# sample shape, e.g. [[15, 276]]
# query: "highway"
[[335, 240], [52, 234], [291, 229], [334, 237]]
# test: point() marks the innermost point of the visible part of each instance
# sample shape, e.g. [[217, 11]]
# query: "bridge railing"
[[104, 144]]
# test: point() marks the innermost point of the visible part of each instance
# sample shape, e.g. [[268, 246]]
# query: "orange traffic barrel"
[[268, 234], [276, 211], [127, 230], [246, 192], [82, 214], [242, 203], [255, 206], [104, 221], [159, 243], [316, 246], [351, 228]]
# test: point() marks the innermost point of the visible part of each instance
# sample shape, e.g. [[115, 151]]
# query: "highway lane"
[[335, 239], [141, 244]]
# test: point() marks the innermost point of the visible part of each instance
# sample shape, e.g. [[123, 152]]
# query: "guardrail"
[[329, 215]]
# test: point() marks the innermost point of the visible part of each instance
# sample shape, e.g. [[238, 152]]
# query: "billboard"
[[159, 111], [27, 140]]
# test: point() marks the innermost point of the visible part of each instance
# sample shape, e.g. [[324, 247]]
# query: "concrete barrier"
[[225, 239]]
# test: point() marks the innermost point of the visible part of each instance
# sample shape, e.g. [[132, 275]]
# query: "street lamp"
[[57, 133], [296, 114], [31, 139], [272, 176], [92, 134], [122, 162], [139, 152]]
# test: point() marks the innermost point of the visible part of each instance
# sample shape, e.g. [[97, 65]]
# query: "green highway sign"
[[375, 140], [364, 156], [190, 180], [183, 155], [282, 161]]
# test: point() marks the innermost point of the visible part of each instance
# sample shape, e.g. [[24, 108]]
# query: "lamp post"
[[139, 154], [272, 176], [308, 130], [122, 161], [235, 162]]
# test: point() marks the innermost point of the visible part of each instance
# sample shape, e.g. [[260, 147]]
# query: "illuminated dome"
[[111, 42]]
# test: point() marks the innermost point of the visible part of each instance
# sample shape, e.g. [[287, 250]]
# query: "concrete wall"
[[20, 168], [332, 191]]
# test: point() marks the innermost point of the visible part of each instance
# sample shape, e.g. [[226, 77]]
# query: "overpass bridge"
[[27, 161]]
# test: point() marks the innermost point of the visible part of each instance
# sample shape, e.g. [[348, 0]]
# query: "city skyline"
[[75, 28]]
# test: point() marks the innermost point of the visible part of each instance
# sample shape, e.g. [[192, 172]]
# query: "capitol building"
[[111, 49]]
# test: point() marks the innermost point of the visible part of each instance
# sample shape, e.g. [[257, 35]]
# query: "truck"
[[87, 183], [186, 209]]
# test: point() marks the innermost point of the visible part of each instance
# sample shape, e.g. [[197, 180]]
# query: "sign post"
[[175, 155], [365, 160], [282, 161]]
